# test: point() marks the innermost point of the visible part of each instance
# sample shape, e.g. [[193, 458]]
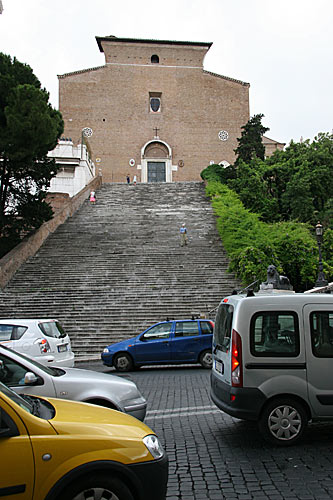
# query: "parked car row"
[[52, 449], [270, 355]]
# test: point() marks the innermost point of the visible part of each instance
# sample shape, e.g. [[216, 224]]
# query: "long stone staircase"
[[117, 267]]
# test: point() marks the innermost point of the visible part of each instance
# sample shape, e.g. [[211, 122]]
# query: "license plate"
[[62, 348], [219, 367]]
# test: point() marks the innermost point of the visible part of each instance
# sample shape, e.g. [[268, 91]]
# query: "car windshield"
[[55, 372], [52, 329], [26, 405]]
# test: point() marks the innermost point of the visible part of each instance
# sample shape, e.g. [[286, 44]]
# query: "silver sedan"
[[26, 376]]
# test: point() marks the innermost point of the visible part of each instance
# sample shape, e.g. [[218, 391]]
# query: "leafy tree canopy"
[[291, 185], [29, 128]]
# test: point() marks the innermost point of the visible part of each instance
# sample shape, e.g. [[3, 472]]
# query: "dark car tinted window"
[[274, 333], [11, 373], [321, 325], [11, 332], [186, 328], [52, 329], [206, 327]]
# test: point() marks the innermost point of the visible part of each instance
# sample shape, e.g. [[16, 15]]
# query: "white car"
[[42, 339], [26, 376]]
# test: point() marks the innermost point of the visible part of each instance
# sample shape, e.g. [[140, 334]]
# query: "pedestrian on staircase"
[[183, 235], [92, 198], [128, 179], [134, 180]]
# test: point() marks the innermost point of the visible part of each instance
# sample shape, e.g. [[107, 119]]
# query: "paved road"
[[215, 456]]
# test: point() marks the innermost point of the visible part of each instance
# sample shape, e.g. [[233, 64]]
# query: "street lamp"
[[321, 280]]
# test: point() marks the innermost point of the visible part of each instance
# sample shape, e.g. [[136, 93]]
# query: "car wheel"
[[206, 359], [123, 362], [97, 487], [283, 421]]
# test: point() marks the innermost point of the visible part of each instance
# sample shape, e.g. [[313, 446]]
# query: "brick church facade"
[[153, 110]]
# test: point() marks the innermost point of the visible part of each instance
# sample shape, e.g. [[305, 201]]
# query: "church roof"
[[112, 38], [227, 78], [267, 140], [81, 71]]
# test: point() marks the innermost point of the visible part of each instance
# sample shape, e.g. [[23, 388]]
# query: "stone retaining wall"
[[13, 260]]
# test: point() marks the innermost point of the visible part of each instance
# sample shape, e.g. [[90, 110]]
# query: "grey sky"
[[283, 49]]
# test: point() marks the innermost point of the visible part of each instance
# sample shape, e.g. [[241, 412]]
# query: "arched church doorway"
[[156, 162]]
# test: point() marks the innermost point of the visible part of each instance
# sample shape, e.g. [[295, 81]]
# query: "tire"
[[123, 362], [98, 486], [206, 359], [283, 422]]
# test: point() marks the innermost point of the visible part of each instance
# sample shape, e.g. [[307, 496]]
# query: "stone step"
[[115, 268]]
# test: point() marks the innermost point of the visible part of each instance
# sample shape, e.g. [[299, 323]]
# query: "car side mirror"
[[143, 338], [30, 379]]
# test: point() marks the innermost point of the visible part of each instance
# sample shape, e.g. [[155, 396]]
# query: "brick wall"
[[114, 101]]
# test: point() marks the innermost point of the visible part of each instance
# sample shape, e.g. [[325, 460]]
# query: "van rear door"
[[318, 327]]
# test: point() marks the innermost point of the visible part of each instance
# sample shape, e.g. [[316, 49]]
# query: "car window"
[[206, 327], [223, 326], [11, 332], [160, 331], [274, 333], [321, 326], [186, 328], [52, 329], [11, 373]]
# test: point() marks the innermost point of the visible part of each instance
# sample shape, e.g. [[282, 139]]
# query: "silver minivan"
[[273, 361]]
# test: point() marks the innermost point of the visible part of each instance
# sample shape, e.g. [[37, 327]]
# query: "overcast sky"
[[284, 48]]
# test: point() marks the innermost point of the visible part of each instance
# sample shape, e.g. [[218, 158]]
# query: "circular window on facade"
[[223, 135], [155, 104]]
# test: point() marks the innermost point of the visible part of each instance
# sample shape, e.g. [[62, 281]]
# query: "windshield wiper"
[[35, 403]]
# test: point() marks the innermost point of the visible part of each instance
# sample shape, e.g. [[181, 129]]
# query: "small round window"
[[155, 59]]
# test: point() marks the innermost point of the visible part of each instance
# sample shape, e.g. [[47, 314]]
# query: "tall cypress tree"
[[250, 143]]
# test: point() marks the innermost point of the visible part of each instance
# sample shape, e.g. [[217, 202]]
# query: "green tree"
[[250, 143], [29, 128], [301, 179]]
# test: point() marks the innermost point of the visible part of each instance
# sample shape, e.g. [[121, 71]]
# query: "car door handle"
[[165, 341]]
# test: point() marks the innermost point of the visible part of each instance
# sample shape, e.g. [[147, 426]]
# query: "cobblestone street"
[[215, 456]]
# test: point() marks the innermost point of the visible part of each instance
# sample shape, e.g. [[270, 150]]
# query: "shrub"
[[252, 245]]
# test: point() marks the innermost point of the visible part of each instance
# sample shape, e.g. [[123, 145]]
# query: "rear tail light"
[[236, 360], [44, 346]]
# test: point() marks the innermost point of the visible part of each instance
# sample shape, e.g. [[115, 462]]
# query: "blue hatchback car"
[[168, 342]]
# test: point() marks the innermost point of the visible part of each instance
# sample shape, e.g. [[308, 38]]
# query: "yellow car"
[[52, 449]]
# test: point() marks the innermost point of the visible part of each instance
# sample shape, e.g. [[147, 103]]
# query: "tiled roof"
[[81, 71], [111, 38], [267, 140], [227, 78]]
